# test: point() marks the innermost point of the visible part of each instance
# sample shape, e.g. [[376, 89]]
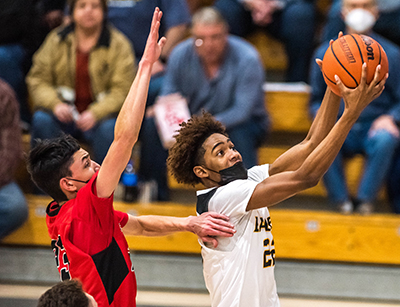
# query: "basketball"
[[345, 56]]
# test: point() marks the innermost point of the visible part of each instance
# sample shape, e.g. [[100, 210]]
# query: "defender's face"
[[220, 152], [83, 168]]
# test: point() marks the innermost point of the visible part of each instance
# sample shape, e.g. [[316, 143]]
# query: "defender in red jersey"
[[87, 233]]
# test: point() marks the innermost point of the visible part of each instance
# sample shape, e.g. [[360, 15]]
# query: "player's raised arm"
[[279, 187], [320, 127], [131, 115]]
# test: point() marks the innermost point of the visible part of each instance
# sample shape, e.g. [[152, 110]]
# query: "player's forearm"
[[325, 118], [155, 225], [318, 162], [130, 117]]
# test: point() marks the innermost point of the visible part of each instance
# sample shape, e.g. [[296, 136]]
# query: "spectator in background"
[[221, 74], [16, 21], [387, 25], [375, 135], [80, 77], [24, 25], [49, 15], [394, 182], [13, 206], [133, 19], [67, 293], [291, 21]]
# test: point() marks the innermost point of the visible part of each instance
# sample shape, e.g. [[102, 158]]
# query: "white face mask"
[[360, 20]]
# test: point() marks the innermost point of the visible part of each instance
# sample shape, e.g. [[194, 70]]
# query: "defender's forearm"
[[155, 225]]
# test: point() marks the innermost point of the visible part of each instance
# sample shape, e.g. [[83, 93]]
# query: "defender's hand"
[[153, 48], [210, 225]]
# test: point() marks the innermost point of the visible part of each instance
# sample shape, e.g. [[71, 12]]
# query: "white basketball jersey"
[[240, 271]]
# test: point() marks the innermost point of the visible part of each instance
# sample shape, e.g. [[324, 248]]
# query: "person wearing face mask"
[[387, 24], [239, 272], [375, 135]]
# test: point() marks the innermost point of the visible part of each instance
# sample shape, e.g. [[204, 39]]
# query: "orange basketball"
[[345, 56]]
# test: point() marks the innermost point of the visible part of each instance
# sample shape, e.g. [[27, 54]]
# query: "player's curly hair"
[[67, 293], [187, 152]]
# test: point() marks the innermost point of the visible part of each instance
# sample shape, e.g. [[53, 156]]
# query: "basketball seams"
[[358, 47], [327, 78], [380, 54], [340, 63]]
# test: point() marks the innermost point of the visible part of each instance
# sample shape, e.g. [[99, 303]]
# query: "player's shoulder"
[[258, 173]]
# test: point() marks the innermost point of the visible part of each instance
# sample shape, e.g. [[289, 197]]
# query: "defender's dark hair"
[[188, 150], [49, 161], [67, 293]]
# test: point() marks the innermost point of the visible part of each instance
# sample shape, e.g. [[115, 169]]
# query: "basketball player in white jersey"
[[240, 271]]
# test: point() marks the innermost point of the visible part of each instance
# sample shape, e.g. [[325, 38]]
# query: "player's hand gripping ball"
[[345, 57]]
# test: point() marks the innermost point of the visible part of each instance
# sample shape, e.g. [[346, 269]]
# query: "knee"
[[42, 119], [15, 209], [383, 139]]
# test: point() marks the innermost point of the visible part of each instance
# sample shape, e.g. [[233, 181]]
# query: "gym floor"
[[26, 296]]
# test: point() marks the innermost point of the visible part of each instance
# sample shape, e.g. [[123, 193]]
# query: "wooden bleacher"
[[299, 234]]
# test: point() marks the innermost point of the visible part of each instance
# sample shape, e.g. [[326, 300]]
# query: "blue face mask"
[[236, 171]]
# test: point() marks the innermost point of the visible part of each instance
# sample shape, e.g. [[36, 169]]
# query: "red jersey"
[[89, 245]]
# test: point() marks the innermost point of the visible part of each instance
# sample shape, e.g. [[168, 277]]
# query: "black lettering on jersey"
[[269, 253], [61, 257], [261, 223], [112, 268]]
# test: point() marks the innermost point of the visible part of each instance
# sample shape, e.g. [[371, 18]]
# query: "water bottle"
[[130, 183]]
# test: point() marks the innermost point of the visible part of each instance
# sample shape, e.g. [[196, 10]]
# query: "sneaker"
[[346, 207], [365, 208]]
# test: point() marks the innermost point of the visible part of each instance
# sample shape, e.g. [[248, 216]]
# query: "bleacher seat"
[[299, 234]]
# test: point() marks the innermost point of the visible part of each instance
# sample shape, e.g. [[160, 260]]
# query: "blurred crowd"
[[66, 67]]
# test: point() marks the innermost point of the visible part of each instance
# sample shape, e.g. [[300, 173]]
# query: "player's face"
[[83, 168], [210, 42], [220, 152], [88, 14]]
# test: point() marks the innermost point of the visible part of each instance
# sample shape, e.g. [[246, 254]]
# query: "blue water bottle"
[[130, 183]]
